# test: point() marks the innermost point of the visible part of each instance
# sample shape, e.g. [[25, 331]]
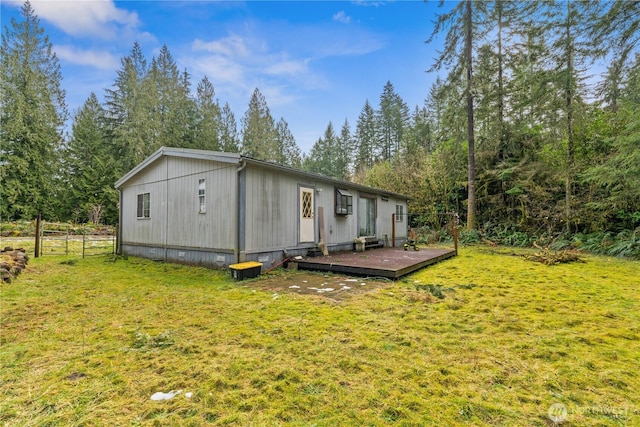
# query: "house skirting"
[[217, 258]]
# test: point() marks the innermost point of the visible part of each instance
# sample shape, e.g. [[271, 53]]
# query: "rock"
[[13, 262], [6, 276]]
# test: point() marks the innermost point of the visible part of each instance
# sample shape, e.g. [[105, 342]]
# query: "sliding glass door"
[[367, 216]]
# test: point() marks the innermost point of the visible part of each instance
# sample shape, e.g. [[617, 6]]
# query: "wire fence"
[[67, 239]]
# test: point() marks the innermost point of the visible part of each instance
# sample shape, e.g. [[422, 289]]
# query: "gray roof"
[[238, 159]]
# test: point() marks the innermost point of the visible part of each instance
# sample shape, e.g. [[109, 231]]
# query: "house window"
[[201, 188], [144, 203], [399, 213], [307, 205], [344, 202]]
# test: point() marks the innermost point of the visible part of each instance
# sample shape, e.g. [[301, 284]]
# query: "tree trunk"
[[569, 106], [471, 197]]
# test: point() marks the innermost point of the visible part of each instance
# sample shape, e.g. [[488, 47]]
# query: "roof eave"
[[178, 152], [318, 177]]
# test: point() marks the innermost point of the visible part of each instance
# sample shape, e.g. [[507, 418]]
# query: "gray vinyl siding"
[[271, 210], [215, 228], [386, 208], [145, 230], [339, 229], [175, 220]]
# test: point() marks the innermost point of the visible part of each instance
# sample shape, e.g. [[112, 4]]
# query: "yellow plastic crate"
[[245, 270]]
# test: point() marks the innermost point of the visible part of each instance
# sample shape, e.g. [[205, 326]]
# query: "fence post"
[[455, 231], [37, 249]]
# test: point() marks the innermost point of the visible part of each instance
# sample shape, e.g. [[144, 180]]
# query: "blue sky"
[[314, 61]]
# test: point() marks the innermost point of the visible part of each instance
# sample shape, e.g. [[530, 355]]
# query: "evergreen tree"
[[128, 107], [618, 172], [616, 32], [259, 130], [91, 167], [445, 112], [462, 26], [418, 139], [287, 151], [209, 118], [511, 21], [392, 119], [228, 136], [365, 138], [571, 51], [344, 150], [322, 155], [33, 111], [172, 115]]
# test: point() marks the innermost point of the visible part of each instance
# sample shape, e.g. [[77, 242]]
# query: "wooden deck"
[[390, 263]]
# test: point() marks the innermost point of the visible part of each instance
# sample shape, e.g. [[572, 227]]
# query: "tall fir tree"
[[228, 133], [616, 33], [392, 119], [461, 25], [128, 105], [321, 158], [91, 168], [259, 139], [172, 113], [32, 115], [287, 151], [418, 138], [570, 48], [365, 140], [209, 117], [344, 150]]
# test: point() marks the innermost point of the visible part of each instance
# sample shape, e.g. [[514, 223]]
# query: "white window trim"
[[202, 205], [144, 211]]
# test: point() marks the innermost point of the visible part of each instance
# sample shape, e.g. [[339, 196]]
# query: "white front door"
[[306, 215]]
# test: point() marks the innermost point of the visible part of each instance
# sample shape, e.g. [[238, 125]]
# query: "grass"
[[88, 343]]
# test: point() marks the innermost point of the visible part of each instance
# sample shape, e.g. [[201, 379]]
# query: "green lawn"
[[89, 341]]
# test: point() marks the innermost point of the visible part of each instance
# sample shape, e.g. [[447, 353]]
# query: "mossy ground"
[[88, 341]]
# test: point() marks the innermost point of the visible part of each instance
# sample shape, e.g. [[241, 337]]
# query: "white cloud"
[[341, 17], [287, 67], [228, 46], [284, 61], [367, 3], [97, 59], [278, 96], [247, 63], [218, 68], [101, 19]]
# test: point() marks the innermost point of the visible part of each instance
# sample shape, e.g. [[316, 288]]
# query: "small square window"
[[344, 202], [201, 195], [399, 213], [144, 205]]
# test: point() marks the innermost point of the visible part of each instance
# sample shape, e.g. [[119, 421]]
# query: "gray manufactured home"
[[216, 209]]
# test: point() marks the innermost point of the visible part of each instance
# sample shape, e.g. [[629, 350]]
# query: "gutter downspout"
[[166, 201], [119, 231], [240, 212]]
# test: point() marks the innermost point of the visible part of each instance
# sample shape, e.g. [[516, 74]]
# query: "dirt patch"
[[332, 286]]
